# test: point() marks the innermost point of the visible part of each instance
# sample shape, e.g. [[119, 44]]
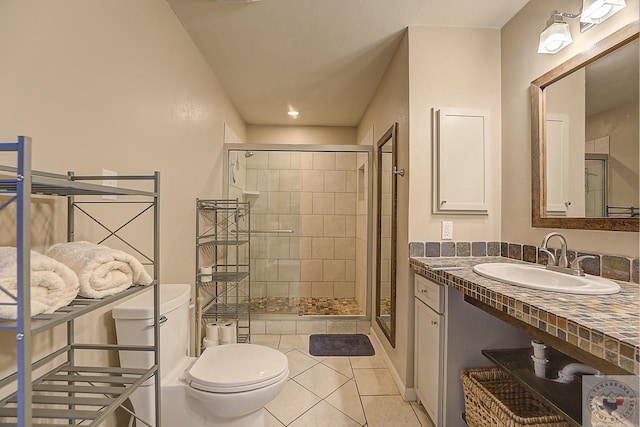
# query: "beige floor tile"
[[422, 415], [321, 380], [293, 401], [324, 415], [388, 411], [375, 361], [267, 340], [298, 362], [340, 364], [347, 400], [374, 382], [294, 341], [270, 420], [318, 358]]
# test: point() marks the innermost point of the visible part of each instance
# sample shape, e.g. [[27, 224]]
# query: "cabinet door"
[[557, 146], [428, 358], [460, 156]]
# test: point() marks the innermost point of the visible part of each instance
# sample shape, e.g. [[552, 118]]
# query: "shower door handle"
[[398, 171]]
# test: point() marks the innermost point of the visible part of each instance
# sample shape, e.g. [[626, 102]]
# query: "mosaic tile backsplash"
[[608, 266]]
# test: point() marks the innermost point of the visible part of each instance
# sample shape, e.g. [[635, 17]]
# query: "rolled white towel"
[[53, 284], [102, 271]]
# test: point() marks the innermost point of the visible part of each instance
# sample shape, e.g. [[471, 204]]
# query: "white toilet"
[[228, 385]]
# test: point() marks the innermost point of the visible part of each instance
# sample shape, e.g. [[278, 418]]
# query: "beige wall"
[[521, 65], [390, 104], [452, 67], [446, 67], [116, 84], [322, 135]]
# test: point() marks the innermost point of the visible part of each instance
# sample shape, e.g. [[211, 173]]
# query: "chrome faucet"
[[561, 264], [562, 261]]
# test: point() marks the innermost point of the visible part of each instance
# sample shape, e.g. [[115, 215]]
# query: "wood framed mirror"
[[565, 149], [386, 234]]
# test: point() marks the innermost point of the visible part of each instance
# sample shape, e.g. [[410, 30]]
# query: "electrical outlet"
[[447, 230]]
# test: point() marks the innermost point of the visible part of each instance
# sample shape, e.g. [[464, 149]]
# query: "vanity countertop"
[[606, 326]]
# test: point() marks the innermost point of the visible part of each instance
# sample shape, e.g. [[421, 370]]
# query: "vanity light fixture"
[[596, 11], [556, 34]]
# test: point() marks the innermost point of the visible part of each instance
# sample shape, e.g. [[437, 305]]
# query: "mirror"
[[386, 234], [584, 138]]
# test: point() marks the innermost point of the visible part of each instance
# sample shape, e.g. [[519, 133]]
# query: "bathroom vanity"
[[450, 335], [607, 342]]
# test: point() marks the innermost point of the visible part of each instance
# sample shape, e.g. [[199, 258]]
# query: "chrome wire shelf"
[[80, 395], [223, 288], [52, 184], [86, 394], [78, 307], [224, 311]]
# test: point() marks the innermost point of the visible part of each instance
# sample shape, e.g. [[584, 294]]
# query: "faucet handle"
[[552, 257], [576, 263]]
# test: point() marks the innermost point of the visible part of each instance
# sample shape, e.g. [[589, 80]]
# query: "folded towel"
[[102, 271], [53, 284]]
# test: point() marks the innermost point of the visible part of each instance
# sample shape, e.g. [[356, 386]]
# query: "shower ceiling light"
[[556, 35], [293, 114], [596, 11]]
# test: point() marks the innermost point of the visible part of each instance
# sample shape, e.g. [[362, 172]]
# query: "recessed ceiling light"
[[293, 113]]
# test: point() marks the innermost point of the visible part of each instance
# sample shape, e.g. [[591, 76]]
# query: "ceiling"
[[324, 58]]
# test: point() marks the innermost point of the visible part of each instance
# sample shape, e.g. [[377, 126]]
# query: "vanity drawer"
[[430, 293]]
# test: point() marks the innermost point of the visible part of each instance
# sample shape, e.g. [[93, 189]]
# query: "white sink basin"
[[538, 277]]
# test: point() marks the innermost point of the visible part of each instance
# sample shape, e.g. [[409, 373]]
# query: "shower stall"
[[310, 226]]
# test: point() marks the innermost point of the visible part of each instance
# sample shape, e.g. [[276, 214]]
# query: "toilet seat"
[[235, 368]]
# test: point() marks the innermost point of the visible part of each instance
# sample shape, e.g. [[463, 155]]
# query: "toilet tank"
[[134, 326]]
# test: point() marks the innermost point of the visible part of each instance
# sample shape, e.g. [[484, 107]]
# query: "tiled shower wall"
[[316, 196]]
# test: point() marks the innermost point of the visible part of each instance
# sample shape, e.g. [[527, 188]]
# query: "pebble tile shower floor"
[[308, 306]]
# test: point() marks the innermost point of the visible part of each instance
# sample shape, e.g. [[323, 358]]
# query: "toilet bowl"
[[228, 385]]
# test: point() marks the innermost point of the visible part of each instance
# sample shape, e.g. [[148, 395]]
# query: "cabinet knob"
[[424, 291], [433, 322]]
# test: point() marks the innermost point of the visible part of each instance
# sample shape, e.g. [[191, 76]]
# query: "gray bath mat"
[[340, 345]]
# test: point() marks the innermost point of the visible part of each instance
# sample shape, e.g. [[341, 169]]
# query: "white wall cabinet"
[[460, 160], [453, 343]]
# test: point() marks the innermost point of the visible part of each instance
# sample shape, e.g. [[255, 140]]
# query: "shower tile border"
[[309, 326]]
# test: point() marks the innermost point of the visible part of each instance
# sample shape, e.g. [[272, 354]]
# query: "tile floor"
[[337, 391]]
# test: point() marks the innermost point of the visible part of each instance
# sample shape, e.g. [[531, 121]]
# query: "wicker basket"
[[493, 399]]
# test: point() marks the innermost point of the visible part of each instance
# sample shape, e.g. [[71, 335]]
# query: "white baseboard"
[[408, 394]]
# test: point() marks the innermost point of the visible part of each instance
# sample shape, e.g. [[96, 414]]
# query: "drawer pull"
[[424, 291], [433, 322]]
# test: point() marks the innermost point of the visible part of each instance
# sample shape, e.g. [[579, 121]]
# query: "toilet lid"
[[234, 368]]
